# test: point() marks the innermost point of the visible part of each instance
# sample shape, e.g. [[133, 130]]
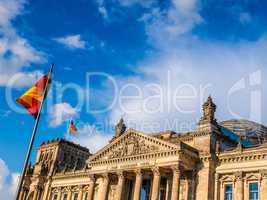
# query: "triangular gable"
[[132, 143], [252, 177]]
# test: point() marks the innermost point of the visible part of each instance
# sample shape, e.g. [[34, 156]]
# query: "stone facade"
[[209, 163]]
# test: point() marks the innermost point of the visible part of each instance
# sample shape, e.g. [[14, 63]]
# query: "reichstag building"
[[216, 161]]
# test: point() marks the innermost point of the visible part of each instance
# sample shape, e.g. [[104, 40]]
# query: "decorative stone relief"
[[133, 146]]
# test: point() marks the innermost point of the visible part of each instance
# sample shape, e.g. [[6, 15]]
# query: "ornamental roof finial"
[[209, 109]]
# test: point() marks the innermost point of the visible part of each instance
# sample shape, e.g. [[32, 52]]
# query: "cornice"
[[245, 155], [83, 174], [136, 157]]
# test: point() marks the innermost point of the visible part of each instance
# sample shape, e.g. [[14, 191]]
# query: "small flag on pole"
[[72, 127], [33, 97]]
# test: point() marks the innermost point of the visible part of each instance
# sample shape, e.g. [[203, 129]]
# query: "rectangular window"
[[55, 197], [65, 196], [85, 196], [228, 194], [253, 191], [75, 196]]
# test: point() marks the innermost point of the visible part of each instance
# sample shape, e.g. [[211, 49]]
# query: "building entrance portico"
[[139, 171]]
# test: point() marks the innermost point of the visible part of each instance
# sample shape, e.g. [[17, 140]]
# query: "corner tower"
[[205, 141]]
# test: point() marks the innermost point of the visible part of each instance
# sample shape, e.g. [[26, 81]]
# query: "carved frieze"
[[133, 146]]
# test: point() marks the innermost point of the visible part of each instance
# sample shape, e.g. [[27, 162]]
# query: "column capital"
[[80, 187], [263, 173], [59, 189], [138, 172], [156, 171], [36, 187], [238, 176], [92, 177], [105, 175], [121, 174], [176, 169], [69, 188], [217, 176]]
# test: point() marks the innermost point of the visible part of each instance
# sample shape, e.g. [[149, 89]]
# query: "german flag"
[[72, 127], [33, 98]]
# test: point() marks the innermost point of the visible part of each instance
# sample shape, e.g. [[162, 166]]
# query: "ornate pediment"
[[130, 144], [133, 146]]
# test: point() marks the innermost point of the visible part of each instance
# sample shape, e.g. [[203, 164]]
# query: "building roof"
[[251, 132]]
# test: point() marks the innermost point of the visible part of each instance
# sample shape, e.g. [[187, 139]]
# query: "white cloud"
[[8, 181], [127, 3], [245, 18], [217, 66], [102, 9], [15, 52], [20, 79], [165, 27], [106, 12], [9, 9], [4, 172], [210, 68], [72, 41], [14, 182], [60, 113], [88, 136]]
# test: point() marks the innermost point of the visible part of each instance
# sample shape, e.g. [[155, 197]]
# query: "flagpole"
[[26, 162]]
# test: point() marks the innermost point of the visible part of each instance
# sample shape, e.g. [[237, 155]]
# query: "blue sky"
[[205, 46]]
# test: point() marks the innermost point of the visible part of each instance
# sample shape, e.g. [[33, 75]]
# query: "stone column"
[[175, 183], [217, 187], [155, 184], [119, 189], [91, 188], [80, 195], [22, 194], [59, 194], [263, 186], [104, 188], [137, 185], [47, 187], [48, 194], [239, 189], [35, 194], [25, 195], [221, 190], [69, 194]]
